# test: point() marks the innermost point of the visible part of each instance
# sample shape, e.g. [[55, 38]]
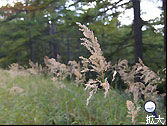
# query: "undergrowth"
[[45, 102]]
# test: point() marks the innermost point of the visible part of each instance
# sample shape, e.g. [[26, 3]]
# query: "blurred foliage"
[[34, 29], [45, 102]]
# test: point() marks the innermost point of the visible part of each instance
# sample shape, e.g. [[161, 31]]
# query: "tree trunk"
[[18, 57], [164, 9], [30, 34], [69, 48], [137, 37], [56, 42], [31, 48], [56, 47], [137, 30], [53, 43], [51, 47]]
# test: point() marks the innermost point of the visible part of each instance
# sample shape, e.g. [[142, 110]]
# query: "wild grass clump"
[[34, 69], [75, 69], [132, 110], [15, 69], [142, 83], [140, 80], [59, 70]]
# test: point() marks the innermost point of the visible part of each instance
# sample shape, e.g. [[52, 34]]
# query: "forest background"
[[32, 29]]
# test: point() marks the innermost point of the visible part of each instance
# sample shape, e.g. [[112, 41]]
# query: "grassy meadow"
[[40, 100]]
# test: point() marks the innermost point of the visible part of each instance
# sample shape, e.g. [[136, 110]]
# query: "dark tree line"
[[34, 29]]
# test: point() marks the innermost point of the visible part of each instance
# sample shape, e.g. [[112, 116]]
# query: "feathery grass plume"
[[114, 74], [58, 58], [96, 62], [147, 86], [91, 84], [61, 71], [150, 80], [128, 76], [36, 69], [148, 76], [15, 69], [76, 70], [132, 112], [106, 86]]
